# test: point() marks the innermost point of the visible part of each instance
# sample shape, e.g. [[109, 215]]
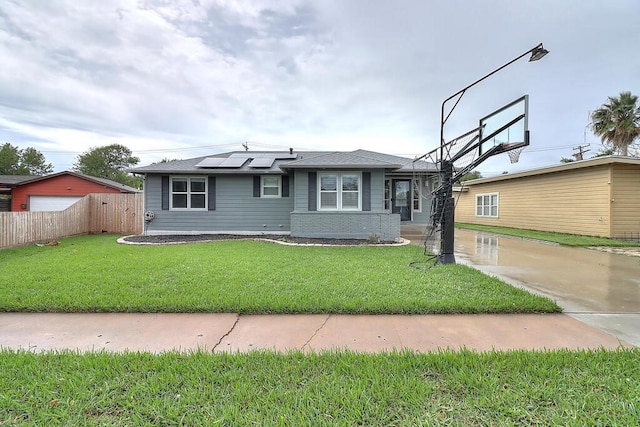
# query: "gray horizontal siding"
[[377, 190], [236, 210], [301, 190], [421, 217]]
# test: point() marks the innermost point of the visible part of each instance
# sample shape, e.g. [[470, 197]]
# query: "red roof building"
[[58, 191]]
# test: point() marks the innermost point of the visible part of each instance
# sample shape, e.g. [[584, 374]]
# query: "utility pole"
[[581, 151]]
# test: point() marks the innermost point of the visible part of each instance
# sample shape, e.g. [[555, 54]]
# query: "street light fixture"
[[446, 166], [538, 53]]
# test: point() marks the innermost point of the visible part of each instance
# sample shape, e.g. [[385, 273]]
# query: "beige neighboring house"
[[594, 197]]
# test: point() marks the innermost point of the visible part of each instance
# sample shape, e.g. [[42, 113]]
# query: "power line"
[[530, 149], [158, 150], [581, 149], [559, 147]]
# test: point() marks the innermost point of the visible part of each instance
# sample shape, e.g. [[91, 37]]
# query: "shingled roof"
[[109, 183], [13, 180], [266, 162]]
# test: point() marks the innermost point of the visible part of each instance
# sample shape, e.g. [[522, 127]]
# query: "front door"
[[401, 198]]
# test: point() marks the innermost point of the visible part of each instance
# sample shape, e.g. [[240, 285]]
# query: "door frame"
[[408, 214]]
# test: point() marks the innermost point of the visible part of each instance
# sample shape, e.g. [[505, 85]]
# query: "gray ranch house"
[[358, 194]]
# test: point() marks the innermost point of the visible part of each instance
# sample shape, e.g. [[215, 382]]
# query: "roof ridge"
[[377, 158]]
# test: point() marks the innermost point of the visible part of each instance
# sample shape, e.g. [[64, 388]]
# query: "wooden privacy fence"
[[94, 213]]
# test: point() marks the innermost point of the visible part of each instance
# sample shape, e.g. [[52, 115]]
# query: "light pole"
[[446, 202]]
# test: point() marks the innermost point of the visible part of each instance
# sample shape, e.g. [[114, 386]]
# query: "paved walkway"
[[233, 333]]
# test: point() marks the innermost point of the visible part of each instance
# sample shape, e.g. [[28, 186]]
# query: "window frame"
[[416, 194], [481, 207], [189, 193], [387, 194], [416, 185], [339, 191], [279, 186]]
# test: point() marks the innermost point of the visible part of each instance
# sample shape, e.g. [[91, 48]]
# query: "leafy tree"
[[9, 159], [618, 121], [566, 160], [471, 175], [110, 162], [605, 152], [34, 162], [14, 161]]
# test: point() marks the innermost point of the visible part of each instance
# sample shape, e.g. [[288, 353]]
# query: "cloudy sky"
[[186, 78]]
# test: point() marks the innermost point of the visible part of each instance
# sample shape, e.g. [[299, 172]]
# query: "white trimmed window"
[[417, 195], [487, 205], [387, 194], [340, 191], [270, 186], [188, 193]]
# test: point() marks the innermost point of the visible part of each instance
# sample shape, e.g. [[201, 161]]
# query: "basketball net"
[[514, 154]]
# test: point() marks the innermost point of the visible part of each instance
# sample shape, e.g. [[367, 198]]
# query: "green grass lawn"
[[560, 238], [579, 388], [95, 274]]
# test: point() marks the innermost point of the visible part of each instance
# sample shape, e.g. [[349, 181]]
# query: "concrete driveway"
[[598, 288]]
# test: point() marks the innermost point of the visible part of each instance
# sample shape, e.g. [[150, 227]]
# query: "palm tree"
[[618, 121]]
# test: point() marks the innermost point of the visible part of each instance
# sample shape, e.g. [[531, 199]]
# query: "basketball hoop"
[[514, 154]]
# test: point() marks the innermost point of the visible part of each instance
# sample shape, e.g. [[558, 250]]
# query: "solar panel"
[[233, 162], [264, 162], [210, 162], [237, 160]]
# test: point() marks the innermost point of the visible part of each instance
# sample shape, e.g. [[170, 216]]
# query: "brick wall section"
[[346, 225]]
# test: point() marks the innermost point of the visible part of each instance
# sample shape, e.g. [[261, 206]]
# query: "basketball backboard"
[[507, 125]]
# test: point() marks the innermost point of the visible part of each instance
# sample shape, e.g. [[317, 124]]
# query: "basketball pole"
[[445, 198]]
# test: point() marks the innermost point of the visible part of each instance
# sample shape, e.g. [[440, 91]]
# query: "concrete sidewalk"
[[157, 333]]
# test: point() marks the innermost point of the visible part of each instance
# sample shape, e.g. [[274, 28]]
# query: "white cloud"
[[170, 75]]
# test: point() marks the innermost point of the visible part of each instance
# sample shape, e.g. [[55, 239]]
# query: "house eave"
[[211, 171], [597, 161], [341, 166]]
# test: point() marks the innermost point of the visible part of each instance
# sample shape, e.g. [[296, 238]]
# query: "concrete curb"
[[399, 242]]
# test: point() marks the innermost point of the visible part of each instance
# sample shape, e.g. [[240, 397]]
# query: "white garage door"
[[51, 203]]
